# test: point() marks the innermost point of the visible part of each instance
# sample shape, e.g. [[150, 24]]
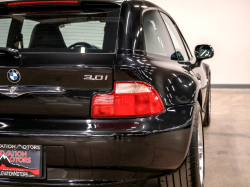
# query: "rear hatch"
[[61, 56]]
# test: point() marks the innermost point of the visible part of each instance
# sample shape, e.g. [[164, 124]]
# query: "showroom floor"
[[227, 140]]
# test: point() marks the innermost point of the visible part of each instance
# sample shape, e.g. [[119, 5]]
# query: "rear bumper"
[[92, 152]]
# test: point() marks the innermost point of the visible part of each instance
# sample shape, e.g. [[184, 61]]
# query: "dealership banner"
[[20, 160]]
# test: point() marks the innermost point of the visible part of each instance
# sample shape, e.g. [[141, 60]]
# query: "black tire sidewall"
[[193, 160]]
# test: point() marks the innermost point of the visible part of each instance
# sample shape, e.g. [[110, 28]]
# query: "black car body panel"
[[158, 71], [133, 149], [73, 100], [80, 150]]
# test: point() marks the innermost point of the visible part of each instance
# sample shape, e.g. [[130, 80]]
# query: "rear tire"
[[207, 119], [191, 173]]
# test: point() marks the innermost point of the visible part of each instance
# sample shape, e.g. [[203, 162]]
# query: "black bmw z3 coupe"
[[100, 93]]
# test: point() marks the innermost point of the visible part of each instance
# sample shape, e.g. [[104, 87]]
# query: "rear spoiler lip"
[[101, 3], [5, 10], [81, 2]]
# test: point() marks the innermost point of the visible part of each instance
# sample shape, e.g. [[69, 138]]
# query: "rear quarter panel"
[[175, 82]]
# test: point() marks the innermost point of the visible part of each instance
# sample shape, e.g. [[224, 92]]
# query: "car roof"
[[3, 3]]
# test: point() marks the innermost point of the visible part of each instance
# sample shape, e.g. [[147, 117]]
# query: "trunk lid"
[[67, 56], [49, 90]]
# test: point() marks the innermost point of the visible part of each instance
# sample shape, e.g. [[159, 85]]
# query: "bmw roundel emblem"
[[14, 76]]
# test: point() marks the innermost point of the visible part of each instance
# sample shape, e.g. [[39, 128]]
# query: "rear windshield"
[[82, 32]]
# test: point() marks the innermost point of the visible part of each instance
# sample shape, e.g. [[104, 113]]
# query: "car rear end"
[[64, 119]]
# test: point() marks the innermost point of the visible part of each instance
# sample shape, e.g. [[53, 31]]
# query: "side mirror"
[[203, 52], [177, 56]]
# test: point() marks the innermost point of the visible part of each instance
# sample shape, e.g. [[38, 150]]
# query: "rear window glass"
[[79, 33], [4, 28]]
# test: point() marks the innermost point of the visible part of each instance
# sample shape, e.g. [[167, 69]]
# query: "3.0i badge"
[[14, 76]]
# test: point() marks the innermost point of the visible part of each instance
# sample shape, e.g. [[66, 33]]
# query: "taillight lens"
[[129, 99], [42, 2]]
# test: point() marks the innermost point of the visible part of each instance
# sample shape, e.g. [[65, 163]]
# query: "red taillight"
[[129, 99], [42, 2]]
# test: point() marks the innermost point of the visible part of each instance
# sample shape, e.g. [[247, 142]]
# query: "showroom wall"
[[224, 24]]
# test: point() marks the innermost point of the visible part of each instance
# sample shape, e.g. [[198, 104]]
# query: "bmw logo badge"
[[14, 76]]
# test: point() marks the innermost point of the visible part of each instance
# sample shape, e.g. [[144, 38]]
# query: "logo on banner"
[[19, 160]]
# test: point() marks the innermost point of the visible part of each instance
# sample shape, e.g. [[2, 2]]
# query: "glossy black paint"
[[133, 62], [80, 150], [175, 83], [151, 147], [55, 70]]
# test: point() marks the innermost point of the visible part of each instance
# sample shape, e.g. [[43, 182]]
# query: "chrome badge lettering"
[[13, 89], [95, 78]]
